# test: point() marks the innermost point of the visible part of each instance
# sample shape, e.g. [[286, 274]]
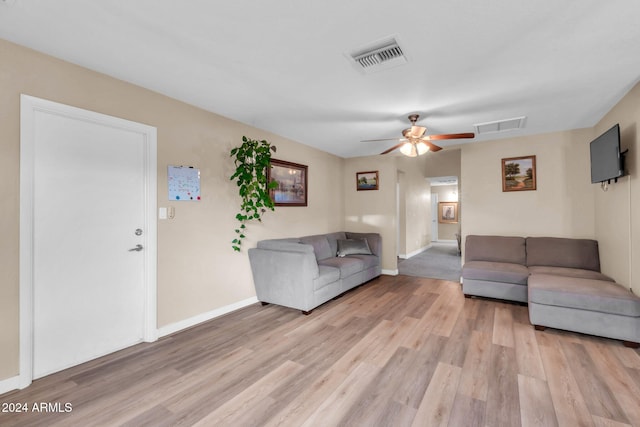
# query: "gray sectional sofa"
[[304, 272], [495, 267], [559, 278]]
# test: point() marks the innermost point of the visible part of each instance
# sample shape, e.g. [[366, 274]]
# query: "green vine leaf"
[[252, 160]]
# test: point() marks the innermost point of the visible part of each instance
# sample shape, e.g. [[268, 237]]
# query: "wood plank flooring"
[[398, 351]]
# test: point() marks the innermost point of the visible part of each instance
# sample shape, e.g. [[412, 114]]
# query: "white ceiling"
[[282, 66]]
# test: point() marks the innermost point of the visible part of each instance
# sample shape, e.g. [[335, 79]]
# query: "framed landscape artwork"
[[519, 173], [367, 180], [292, 183], [447, 212]]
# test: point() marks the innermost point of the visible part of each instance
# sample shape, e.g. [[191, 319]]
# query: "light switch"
[[162, 213]]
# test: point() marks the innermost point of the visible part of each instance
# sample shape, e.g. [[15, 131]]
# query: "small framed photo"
[[519, 173], [448, 212], [367, 180], [292, 183]]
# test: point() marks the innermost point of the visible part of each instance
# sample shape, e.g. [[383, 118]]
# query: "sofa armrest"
[[284, 277]]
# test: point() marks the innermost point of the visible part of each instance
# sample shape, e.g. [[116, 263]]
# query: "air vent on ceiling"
[[500, 125], [379, 56]]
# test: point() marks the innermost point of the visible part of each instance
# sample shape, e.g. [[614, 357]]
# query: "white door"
[[434, 217], [91, 237]]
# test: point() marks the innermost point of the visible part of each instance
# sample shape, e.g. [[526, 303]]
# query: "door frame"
[[29, 106], [434, 217]]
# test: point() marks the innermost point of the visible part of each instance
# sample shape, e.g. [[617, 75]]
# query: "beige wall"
[[443, 163], [373, 210], [401, 188], [399, 210], [415, 202], [562, 205], [448, 193], [565, 204], [197, 269], [617, 218]]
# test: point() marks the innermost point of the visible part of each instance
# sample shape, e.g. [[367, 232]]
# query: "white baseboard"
[[195, 320], [9, 384], [390, 272], [416, 252]]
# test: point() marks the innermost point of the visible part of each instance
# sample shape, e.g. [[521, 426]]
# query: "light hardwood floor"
[[398, 351]]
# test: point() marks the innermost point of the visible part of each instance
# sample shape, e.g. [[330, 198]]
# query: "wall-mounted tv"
[[607, 162]]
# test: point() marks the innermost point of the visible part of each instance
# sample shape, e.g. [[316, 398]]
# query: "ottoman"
[[589, 306]]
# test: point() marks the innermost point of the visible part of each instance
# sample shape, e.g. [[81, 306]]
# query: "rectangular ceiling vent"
[[381, 56], [500, 125]]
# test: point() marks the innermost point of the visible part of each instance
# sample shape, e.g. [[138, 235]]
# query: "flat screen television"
[[607, 162]]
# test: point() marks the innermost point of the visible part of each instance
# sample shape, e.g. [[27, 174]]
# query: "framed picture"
[[292, 183], [447, 212], [367, 180], [519, 173]]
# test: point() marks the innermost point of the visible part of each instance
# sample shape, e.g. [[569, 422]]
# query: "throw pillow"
[[353, 247]]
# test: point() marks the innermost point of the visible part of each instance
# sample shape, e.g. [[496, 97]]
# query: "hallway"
[[440, 261]]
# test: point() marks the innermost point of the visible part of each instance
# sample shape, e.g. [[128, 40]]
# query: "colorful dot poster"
[[184, 183]]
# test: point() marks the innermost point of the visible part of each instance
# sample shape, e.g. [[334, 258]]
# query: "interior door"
[[90, 233]]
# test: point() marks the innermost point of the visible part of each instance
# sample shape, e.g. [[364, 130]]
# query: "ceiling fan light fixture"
[[422, 148], [415, 143], [409, 149]]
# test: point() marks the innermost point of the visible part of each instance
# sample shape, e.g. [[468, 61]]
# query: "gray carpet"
[[437, 262]]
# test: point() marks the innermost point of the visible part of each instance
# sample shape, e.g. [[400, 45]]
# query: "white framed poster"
[[184, 183]]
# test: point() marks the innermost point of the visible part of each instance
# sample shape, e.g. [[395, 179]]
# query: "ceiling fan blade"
[[393, 148], [451, 136], [432, 147], [384, 139]]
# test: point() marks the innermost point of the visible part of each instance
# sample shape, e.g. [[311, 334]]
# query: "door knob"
[[138, 248]]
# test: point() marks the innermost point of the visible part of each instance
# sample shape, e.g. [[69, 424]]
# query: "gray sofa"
[[559, 278], [495, 267], [305, 272]]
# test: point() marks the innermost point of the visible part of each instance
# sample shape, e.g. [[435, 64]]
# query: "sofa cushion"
[[495, 272], [561, 252], [333, 241], [368, 261], [570, 272], [320, 246], [327, 275], [373, 239], [495, 249], [585, 294], [353, 247], [348, 265]]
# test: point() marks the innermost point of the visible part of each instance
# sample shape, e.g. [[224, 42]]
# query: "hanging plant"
[[252, 160]]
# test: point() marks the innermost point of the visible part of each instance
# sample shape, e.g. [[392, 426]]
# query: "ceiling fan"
[[415, 142]]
